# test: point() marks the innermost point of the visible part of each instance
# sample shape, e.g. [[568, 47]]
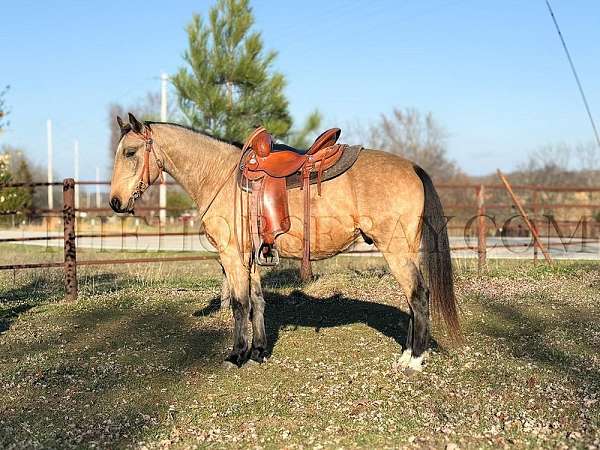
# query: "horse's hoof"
[[403, 361], [409, 363], [251, 363], [238, 359], [228, 365], [258, 355], [416, 363]]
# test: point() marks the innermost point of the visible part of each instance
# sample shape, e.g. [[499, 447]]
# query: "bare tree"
[[561, 165], [417, 137], [548, 164], [588, 156]]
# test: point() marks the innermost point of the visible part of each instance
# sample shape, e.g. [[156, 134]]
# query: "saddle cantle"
[[268, 170]]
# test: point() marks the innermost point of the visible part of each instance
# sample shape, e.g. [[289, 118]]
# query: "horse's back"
[[385, 184], [380, 192]]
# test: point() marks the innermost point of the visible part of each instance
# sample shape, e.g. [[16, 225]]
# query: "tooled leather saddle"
[[268, 170]]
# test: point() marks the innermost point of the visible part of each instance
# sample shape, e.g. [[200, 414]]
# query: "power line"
[[583, 97]]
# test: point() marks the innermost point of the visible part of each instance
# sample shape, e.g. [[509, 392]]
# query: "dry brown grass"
[[136, 362]]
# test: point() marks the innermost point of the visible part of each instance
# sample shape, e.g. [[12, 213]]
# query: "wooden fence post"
[[535, 209], [69, 236], [160, 231], [482, 230], [584, 232]]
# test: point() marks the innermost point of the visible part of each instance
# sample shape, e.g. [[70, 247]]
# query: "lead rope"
[[250, 264], [240, 248]]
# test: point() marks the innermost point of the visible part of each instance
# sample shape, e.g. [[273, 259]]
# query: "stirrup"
[[270, 257]]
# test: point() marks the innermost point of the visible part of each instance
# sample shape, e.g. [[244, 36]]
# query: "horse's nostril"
[[115, 204]]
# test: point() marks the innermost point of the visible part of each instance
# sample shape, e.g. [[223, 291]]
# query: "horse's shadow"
[[301, 310]]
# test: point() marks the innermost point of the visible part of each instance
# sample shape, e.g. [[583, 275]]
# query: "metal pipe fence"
[[70, 263], [477, 205]]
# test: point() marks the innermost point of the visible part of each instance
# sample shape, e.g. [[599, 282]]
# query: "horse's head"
[[136, 164]]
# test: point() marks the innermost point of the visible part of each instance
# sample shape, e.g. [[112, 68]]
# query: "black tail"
[[435, 258]]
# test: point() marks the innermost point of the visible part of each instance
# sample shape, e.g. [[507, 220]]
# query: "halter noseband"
[[144, 183]]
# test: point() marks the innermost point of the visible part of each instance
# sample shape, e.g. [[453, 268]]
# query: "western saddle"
[[268, 170]]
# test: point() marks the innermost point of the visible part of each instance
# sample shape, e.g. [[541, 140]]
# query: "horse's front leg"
[[225, 294], [257, 314], [239, 286]]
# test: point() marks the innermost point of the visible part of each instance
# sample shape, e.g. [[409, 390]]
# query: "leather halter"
[[144, 183]]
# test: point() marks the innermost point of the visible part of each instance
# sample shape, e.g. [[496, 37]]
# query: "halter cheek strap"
[[144, 183]]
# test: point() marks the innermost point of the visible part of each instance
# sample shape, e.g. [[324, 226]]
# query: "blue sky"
[[492, 72]]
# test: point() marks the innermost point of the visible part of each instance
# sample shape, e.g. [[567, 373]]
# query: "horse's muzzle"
[[115, 204], [118, 207]]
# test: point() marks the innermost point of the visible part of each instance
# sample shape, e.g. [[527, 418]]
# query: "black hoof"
[[237, 359], [259, 355]]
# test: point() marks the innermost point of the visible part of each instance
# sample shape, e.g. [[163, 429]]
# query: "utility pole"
[[163, 118], [98, 187], [50, 151], [164, 78], [76, 164]]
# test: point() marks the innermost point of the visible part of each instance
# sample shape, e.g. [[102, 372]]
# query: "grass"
[[136, 362]]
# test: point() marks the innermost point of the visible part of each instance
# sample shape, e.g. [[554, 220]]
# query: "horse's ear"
[[136, 125], [125, 127]]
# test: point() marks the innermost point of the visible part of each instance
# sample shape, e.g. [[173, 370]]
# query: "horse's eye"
[[130, 152]]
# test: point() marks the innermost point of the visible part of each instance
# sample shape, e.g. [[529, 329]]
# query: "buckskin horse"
[[384, 198]]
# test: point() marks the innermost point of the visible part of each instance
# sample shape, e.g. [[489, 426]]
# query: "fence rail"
[[70, 237], [478, 225]]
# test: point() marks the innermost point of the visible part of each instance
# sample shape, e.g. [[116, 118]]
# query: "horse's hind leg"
[[411, 280]]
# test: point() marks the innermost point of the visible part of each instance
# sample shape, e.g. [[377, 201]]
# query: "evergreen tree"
[[14, 198], [229, 87]]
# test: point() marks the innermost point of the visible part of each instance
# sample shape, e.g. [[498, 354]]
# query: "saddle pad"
[[347, 160]]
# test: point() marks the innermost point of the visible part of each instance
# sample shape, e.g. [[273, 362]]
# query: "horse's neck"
[[199, 163]]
